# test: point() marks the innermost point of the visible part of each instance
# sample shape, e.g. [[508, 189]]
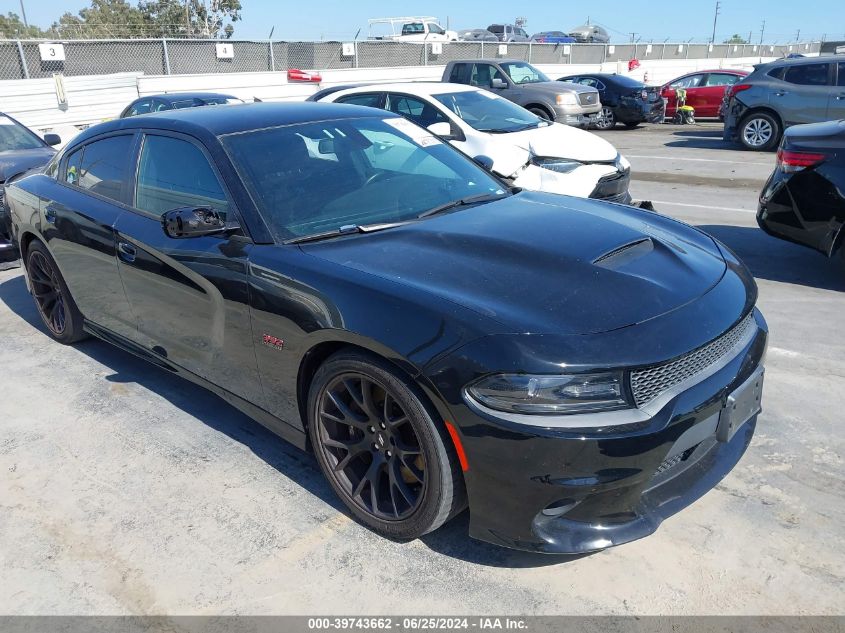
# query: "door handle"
[[50, 213], [781, 93], [841, 97], [126, 252]]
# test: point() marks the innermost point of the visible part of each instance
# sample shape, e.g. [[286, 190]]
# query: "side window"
[[371, 99], [807, 74], [841, 81], [587, 81], [721, 79], [174, 173], [600, 86], [102, 166], [71, 175], [416, 110], [777, 73], [142, 107], [483, 75], [159, 105], [693, 81], [521, 32], [435, 28], [460, 74]]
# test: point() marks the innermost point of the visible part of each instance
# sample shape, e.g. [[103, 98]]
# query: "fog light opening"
[[559, 508]]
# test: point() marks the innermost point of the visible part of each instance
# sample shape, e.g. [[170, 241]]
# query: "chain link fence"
[[24, 59]]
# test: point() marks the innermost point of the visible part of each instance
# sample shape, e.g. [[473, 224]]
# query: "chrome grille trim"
[[651, 382], [588, 98]]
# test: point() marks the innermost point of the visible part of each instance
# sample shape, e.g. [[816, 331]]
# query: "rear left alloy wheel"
[[381, 448], [52, 298]]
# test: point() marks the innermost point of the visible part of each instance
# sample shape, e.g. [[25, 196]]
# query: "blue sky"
[[677, 20]]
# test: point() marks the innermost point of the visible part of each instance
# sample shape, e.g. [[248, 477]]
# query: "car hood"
[[513, 150], [556, 87], [19, 161], [540, 263]]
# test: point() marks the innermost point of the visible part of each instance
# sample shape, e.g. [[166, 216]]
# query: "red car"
[[705, 90]]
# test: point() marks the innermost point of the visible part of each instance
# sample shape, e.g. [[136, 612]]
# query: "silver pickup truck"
[[520, 82]]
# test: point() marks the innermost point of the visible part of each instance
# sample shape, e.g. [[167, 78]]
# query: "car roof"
[[181, 96], [419, 88], [798, 61], [487, 60], [246, 117]]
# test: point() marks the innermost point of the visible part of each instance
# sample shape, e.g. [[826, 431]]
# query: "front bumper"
[[556, 490], [577, 115]]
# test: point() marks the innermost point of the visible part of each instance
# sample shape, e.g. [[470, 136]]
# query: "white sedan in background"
[[526, 150]]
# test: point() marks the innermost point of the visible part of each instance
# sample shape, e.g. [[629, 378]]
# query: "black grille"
[[613, 188], [647, 384]]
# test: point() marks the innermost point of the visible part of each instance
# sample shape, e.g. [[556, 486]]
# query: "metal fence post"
[[355, 50], [425, 53], [24, 67], [272, 56], [482, 49], [529, 51], [166, 56]]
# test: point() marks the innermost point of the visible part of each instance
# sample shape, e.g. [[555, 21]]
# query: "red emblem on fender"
[[273, 341]]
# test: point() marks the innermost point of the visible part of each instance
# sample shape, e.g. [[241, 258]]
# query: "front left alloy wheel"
[[382, 448], [605, 119]]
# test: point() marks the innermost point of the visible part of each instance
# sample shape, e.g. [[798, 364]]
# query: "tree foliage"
[[736, 38], [12, 27], [151, 18]]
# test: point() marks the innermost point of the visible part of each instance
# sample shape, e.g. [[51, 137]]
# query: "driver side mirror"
[[485, 162], [498, 84], [193, 222], [442, 129], [52, 139]]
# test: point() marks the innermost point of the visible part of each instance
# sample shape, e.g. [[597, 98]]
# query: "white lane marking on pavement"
[[779, 351], [703, 206], [701, 160]]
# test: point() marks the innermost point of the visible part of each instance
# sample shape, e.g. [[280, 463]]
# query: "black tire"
[[52, 298], [541, 112], [399, 438], [759, 132]]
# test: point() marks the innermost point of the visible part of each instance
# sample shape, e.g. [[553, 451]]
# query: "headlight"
[[542, 394], [560, 165], [622, 163], [567, 98]]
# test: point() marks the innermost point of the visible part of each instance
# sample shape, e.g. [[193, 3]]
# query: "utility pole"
[[23, 15], [798, 35], [715, 17], [762, 31], [633, 36]]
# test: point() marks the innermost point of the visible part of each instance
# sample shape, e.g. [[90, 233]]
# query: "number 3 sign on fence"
[[52, 52]]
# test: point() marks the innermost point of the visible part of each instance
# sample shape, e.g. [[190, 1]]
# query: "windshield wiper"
[[347, 229], [484, 197]]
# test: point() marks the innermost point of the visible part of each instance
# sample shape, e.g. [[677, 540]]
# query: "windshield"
[[523, 73], [317, 177], [488, 113], [16, 137]]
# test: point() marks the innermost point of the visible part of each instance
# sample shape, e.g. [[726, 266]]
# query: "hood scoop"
[[625, 254]]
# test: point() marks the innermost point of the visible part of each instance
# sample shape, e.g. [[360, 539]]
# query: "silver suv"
[[783, 93]]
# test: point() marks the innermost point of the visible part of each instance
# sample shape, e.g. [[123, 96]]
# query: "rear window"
[[777, 73], [627, 82], [496, 28], [413, 28], [807, 74]]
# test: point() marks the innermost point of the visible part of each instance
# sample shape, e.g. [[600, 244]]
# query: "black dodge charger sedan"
[[804, 199], [574, 371]]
